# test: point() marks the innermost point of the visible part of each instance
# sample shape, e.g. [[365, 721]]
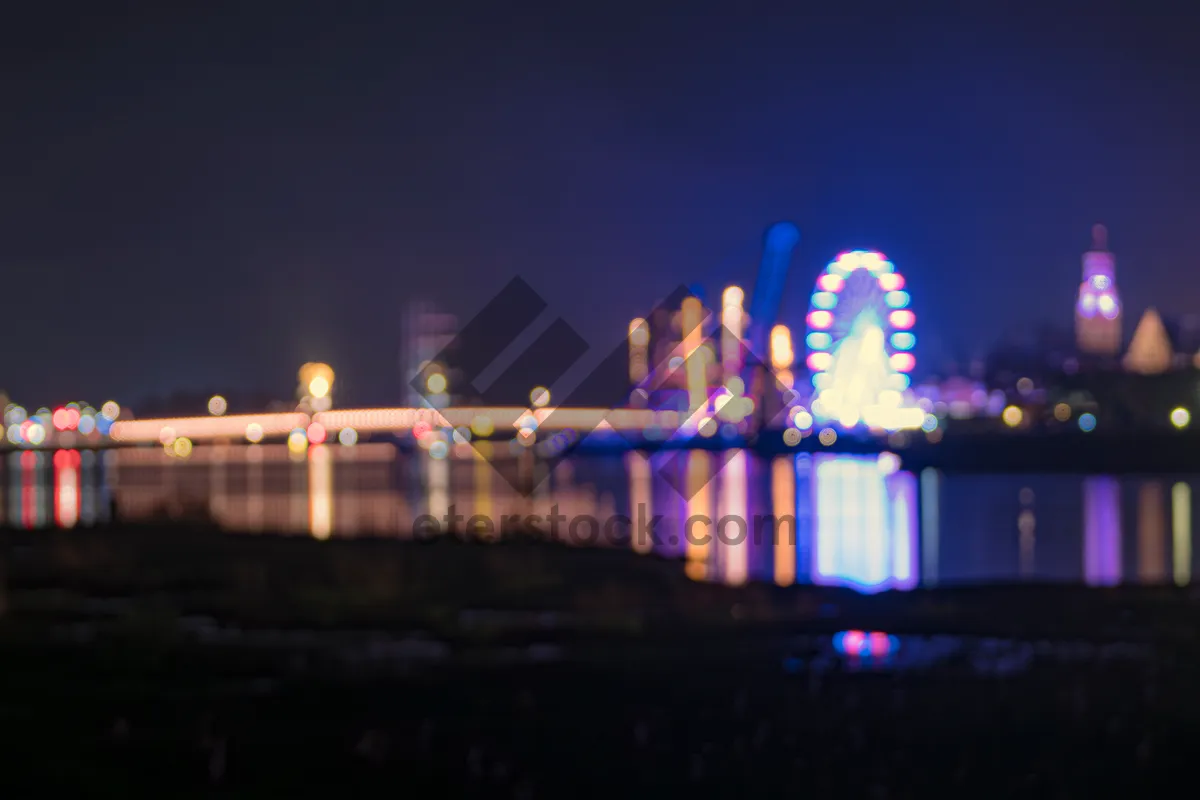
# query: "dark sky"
[[207, 198]]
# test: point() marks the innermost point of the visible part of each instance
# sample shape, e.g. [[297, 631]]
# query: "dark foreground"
[[171, 662]]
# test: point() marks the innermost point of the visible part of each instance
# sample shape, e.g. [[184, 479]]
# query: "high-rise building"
[[1098, 308]]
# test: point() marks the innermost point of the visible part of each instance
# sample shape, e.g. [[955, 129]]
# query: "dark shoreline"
[[171, 660]]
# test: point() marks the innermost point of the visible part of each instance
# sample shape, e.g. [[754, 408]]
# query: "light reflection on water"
[[730, 516]]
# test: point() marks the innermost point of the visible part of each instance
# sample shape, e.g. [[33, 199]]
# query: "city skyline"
[[279, 187]]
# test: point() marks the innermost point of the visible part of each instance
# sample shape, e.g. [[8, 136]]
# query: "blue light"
[[103, 425], [824, 300], [1087, 422], [782, 236], [818, 340], [897, 299], [903, 340]]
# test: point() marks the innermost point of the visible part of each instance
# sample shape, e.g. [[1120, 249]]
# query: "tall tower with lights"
[[1098, 307]]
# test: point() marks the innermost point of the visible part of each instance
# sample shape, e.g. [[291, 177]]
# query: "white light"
[[217, 405], [35, 434], [318, 386], [348, 437], [888, 463]]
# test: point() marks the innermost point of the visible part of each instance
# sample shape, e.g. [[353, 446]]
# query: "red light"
[[903, 362], [903, 319], [62, 459], [65, 419], [316, 433], [25, 426], [891, 281], [819, 320], [853, 642], [878, 644], [419, 429]]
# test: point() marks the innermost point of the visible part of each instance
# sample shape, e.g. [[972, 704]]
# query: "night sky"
[[197, 199]]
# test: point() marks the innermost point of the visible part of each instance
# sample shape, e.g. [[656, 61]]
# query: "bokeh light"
[[1180, 417], [348, 437], [182, 447], [1087, 422], [318, 387], [35, 433], [297, 441], [217, 405], [316, 433], [482, 425], [1012, 416], [888, 463]]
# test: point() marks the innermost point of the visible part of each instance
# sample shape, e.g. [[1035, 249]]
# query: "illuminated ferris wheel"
[[860, 338]]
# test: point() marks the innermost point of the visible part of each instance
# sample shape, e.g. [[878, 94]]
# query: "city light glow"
[[317, 379], [782, 356], [857, 354]]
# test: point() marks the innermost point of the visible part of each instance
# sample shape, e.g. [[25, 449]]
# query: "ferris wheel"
[[860, 337]]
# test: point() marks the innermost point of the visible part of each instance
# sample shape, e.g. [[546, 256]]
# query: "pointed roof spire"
[[1150, 350], [1099, 238]]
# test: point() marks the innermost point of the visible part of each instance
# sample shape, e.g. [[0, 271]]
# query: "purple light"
[[1101, 531]]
